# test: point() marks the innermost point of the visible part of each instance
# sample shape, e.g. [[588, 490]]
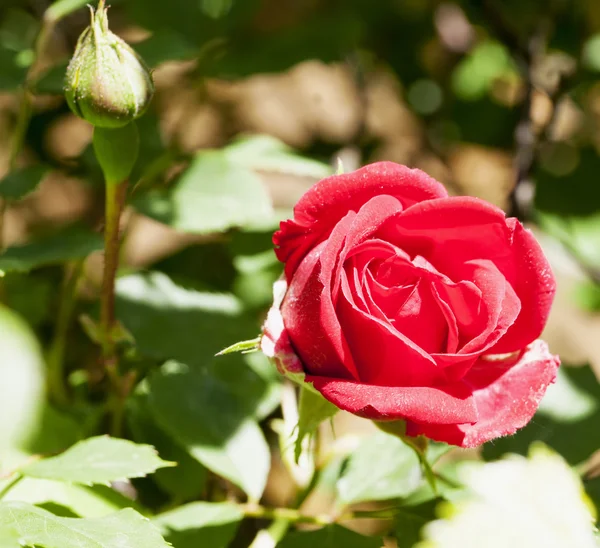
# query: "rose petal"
[[421, 320], [446, 405], [311, 322], [534, 283], [506, 397], [326, 202], [452, 231], [382, 355]]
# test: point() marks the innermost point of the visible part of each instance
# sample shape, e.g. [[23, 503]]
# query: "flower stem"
[[284, 514], [17, 477], [115, 200]]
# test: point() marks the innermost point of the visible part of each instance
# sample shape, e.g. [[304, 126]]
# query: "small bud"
[[107, 82]]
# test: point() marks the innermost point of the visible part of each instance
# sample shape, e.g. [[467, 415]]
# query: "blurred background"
[[256, 100]]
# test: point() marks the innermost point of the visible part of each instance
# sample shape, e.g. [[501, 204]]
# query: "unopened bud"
[[107, 83]]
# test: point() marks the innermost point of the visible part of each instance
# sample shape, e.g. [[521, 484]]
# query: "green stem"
[[57, 390], [115, 200], [17, 477], [287, 514]]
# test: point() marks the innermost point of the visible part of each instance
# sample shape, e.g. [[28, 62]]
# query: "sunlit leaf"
[[383, 467], [213, 194], [34, 526], [200, 524], [98, 460], [207, 418], [266, 153]]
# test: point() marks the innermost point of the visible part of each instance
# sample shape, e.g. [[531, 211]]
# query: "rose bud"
[[402, 303], [107, 82]]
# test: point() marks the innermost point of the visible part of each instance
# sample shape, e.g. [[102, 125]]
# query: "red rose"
[[404, 303]]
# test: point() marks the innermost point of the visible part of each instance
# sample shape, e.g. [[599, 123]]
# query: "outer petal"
[[309, 309], [534, 284], [443, 405], [275, 342], [506, 397], [325, 203]]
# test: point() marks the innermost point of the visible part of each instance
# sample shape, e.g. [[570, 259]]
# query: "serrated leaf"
[[383, 467], [37, 527], [333, 536], [66, 245], [200, 524], [313, 409], [74, 500], [98, 460], [266, 153], [21, 379], [212, 195], [18, 184], [206, 417]]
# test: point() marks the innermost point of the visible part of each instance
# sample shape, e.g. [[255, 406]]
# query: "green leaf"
[[98, 460], [21, 379], [333, 536], [37, 527], [185, 481], [66, 245], [242, 346], [567, 419], [592, 488], [62, 8], [313, 409], [18, 184], [73, 499], [56, 430], [31, 296], [410, 520], [170, 321], [266, 153], [12, 73], [206, 417], [212, 195], [200, 524], [383, 467], [165, 45]]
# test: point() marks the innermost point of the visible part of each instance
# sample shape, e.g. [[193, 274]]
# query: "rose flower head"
[[402, 303]]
